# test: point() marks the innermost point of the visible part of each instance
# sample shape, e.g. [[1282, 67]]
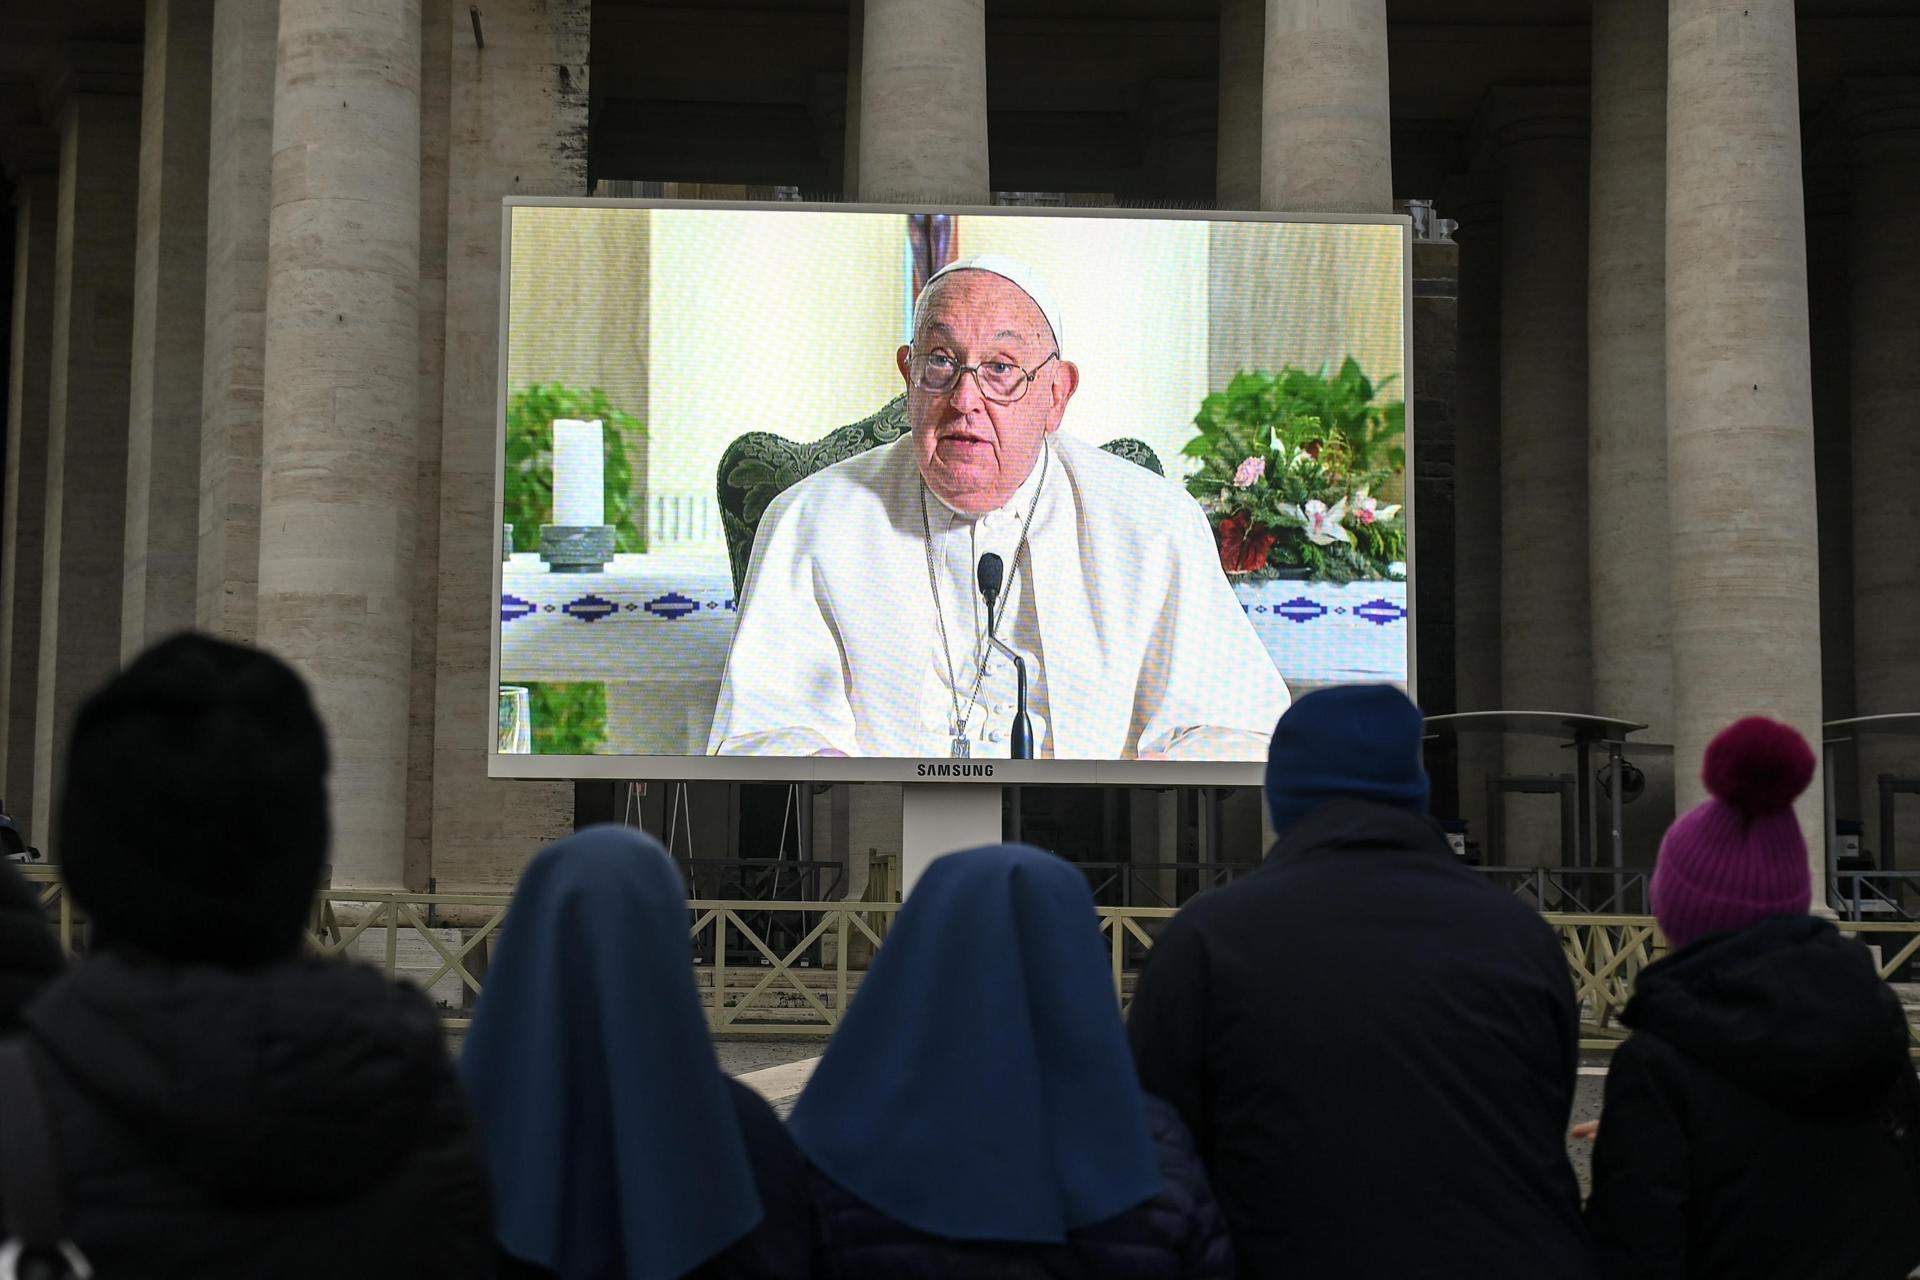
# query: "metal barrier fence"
[[1875, 895], [799, 983], [1574, 890]]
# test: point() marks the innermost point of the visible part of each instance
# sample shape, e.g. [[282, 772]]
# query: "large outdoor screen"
[[1025, 495]]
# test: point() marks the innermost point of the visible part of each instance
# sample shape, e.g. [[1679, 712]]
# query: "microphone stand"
[[1021, 739]]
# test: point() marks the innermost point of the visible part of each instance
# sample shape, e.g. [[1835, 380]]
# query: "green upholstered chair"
[[760, 466]]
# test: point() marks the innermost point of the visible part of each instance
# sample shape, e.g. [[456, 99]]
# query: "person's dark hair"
[[193, 818]]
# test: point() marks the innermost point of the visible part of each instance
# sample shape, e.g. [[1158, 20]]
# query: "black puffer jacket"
[[29, 954], [1180, 1234], [1375, 1048], [300, 1120], [1763, 1120]]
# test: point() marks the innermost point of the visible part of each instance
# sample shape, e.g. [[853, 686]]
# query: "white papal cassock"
[[1140, 643]]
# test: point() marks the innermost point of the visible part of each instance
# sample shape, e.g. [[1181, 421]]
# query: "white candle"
[[579, 473]]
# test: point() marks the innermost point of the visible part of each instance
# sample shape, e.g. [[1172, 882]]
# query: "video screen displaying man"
[[864, 629]]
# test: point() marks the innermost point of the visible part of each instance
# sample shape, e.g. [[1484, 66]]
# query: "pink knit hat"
[[1738, 858]]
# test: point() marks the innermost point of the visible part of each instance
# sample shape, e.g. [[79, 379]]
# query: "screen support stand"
[[938, 818]]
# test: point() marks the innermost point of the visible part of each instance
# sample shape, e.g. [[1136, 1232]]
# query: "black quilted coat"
[[300, 1120], [29, 956]]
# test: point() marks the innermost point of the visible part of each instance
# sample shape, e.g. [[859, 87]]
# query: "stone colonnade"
[[251, 387], [308, 462]]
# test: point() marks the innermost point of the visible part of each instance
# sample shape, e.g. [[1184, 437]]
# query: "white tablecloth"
[[656, 627], [1321, 634]]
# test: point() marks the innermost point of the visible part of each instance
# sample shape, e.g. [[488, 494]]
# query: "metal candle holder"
[[569, 548]]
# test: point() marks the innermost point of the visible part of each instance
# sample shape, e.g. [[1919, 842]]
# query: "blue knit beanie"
[[1357, 741]]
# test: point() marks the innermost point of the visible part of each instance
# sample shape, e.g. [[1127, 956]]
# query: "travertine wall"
[[338, 439], [233, 378], [1626, 399], [169, 293], [36, 224], [1746, 627], [92, 355], [518, 122]]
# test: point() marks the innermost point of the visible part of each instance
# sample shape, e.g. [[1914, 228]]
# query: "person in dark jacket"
[[225, 1106], [976, 1114], [29, 953], [1375, 1047], [1763, 1119], [618, 1149]]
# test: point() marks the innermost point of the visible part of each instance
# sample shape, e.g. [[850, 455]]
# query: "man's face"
[[972, 451]]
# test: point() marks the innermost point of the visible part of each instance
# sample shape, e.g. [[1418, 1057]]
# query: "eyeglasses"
[[1000, 381]]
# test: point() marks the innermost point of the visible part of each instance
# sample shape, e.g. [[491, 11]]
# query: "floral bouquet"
[[1288, 466]]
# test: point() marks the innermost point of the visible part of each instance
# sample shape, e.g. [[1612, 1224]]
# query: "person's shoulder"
[[1253, 891]]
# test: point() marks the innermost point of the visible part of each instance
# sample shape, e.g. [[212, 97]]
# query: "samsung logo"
[[956, 771]]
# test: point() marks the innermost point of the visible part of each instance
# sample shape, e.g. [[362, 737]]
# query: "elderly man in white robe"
[[863, 631]]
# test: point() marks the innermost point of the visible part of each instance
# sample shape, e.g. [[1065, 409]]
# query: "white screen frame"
[[785, 769]]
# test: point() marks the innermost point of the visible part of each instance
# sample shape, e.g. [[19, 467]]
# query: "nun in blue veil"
[[616, 1146], [977, 1113]]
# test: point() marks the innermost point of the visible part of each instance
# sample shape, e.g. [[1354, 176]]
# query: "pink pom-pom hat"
[[1739, 857]]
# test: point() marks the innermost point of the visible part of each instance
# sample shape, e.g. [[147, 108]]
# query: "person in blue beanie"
[[1374, 1047]]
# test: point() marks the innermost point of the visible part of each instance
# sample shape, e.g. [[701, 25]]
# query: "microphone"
[[990, 574]]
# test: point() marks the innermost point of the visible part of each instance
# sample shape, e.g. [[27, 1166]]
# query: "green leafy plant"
[[529, 469], [1291, 464], [569, 718]]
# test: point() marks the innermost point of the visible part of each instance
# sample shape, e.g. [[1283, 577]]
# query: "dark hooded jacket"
[[1763, 1120], [291, 1121], [29, 953], [1375, 1050]]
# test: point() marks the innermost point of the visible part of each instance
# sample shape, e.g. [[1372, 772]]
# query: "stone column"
[[923, 101], [1627, 397], [169, 294], [1473, 200], [1326, 137], [1746, 626], [36, 206], [1545, 646], [1883, 117], [1243, 52], [1830, 342], [518, 126], [436, 94], [1435, 322], [86, 491], [239, 197], [856, 48], [337, 449]]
